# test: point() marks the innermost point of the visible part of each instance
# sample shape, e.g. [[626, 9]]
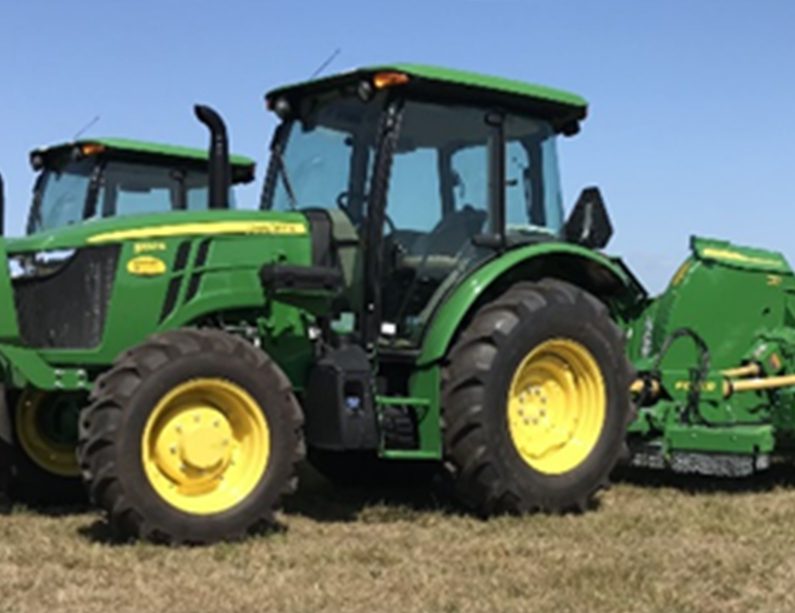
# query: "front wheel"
[[45, 469], [191, 437], [536, 401]]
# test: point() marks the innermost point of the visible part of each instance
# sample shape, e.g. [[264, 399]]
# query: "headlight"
[[38, 263]]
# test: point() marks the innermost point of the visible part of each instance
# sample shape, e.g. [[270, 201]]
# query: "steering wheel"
[[342, 204]]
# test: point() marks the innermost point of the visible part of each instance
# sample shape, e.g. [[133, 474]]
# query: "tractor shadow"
[[316, 499], [97, 530], [47, 509], [778, 476], [320, 500]]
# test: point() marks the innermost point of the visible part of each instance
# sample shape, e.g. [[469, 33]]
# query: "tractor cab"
[[432, 171], [100, 178]]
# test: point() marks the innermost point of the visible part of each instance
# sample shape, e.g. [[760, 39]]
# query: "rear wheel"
[[44, 466], [536, 401], [191, 437]]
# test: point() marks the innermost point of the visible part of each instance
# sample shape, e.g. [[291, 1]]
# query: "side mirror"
[[589, 224]]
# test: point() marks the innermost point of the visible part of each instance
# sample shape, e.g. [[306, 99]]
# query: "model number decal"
[[146, 266]]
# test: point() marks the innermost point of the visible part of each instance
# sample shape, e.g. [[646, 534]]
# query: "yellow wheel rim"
[[33, 409], [205, 446], [556, 406]]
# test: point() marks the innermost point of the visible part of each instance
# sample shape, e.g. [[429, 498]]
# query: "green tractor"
[[113, 177], [409, 293], [82, 181]]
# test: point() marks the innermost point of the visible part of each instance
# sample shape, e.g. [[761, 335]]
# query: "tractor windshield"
[[60, 195], [90, 188], [323, 159]]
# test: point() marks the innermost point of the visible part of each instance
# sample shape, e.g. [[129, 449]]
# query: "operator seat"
[[431, 259], [452, 232]]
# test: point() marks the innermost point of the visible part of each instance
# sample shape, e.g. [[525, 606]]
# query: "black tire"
[[33, 485], [112, 426], [488, 473], [6, 453], [365, 470], [32, 482]]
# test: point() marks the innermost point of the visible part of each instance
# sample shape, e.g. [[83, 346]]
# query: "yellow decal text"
[[149, 246], [146, 266]]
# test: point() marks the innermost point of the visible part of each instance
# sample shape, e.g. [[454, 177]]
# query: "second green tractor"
[[407, 294]]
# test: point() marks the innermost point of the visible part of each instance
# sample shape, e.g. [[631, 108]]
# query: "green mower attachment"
[[715, 355]]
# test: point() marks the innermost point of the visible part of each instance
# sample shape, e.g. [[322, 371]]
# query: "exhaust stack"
[[219, 179]]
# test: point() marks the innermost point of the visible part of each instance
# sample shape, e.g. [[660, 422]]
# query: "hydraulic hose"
[[697, 376]]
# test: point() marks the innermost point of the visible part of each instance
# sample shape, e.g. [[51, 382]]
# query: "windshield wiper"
[[288, 187]]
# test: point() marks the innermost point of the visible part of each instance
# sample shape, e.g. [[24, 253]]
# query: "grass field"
[[652, 545]]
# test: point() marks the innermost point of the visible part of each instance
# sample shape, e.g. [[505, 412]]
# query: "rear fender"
[[604, 277]]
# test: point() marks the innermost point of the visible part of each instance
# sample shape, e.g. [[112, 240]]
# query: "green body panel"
[[741, 440], [459, 303], [126, 145]]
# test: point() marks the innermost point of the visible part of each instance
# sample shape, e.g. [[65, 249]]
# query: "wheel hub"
[[194, 446], [205, 446], [46, 427], [556, 406]]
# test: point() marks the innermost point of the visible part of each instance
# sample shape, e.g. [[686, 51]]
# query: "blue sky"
[[690, 126]]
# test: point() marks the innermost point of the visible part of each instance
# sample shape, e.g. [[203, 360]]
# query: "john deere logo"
[[146, 266]]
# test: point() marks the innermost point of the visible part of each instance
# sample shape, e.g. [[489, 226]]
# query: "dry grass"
[[664, 546]]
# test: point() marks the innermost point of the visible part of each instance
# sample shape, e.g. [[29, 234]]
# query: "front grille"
[[66, 309]]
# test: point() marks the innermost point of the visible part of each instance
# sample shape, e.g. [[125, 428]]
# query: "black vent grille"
[[67, 308]]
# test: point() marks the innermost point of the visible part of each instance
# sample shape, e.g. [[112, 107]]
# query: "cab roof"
[[242, 167], [562, 108]]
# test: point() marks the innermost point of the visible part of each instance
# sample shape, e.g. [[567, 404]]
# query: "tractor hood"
[[61, 290], [159, 226]]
